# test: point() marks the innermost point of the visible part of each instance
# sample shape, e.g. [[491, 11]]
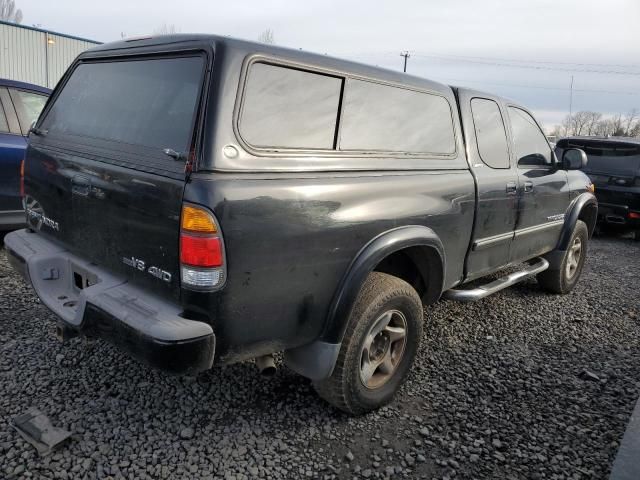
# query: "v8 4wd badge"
[[138, 264]]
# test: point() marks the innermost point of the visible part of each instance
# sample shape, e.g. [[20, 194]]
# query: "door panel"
[[543, 192], [12, 147], [497, 184]]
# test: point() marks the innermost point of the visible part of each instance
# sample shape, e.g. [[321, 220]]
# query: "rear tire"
[[378, 348], [565, 279]]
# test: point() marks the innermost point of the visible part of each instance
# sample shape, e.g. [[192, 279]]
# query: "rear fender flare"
[[317, 359]]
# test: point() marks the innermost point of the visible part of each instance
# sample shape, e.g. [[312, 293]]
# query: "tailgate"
[[96, 176]]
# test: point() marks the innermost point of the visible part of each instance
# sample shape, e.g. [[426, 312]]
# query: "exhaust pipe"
[[64, 334], [266, 365]]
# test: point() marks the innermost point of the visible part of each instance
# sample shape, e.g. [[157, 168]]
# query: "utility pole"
[[571, 105], [406, 55]]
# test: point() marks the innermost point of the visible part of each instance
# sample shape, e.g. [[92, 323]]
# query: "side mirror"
[[574, 159]]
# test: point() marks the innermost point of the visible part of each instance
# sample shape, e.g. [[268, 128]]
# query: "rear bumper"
[[144, 325], [619, 215], [619, 207]]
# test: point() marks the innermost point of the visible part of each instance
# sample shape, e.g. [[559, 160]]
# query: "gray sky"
[[525, 50]]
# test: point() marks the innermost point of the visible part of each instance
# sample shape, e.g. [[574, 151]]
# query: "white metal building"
[[37, 56]]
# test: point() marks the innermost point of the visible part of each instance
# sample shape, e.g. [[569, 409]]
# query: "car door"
[[543, 192], [12, 146], [497, 183]]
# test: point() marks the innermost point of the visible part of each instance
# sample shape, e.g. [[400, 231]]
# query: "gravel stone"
[[522, 388]]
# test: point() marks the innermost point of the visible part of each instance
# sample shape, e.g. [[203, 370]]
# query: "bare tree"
[[165, 29], [595, 123], [9, 12], [630, 121], [267, 37], [592, 121], [616, 125]]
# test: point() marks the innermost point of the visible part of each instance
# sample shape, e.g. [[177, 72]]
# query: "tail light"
[[21, 179], [202, 259], [634, 215]]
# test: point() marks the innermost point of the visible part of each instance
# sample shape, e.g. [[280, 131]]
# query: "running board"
[[490, 288]]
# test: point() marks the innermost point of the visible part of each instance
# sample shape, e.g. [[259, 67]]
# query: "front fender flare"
[[582, 201], [571, 218]]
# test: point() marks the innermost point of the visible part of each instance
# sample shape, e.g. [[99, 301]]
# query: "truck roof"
[[245, 47]]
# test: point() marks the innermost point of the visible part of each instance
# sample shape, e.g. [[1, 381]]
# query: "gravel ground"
[[499, 391]]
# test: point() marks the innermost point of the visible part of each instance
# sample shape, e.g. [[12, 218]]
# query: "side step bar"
[[490, 288]]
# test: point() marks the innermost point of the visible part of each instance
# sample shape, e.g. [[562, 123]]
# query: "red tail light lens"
[[634, 215], [199, 251]]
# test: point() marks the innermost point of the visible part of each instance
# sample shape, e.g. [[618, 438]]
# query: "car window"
[[144, 102], [387, 118], [4, 126], [28, 107], [531, 145], [490, 133], [289, 108]]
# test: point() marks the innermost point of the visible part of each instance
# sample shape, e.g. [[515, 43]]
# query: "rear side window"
[[28, 107], [386, 118], [289, 108], [531, 145], [490, 134], [147, 102]]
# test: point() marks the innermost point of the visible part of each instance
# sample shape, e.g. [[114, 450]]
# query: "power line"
[[497, 59], [541, 62], [525, 65], [564, 89]]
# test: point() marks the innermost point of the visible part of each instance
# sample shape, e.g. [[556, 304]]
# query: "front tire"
[[565, 279], [379, 346]]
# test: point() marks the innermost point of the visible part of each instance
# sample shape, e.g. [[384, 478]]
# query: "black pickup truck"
[[614, 169], [200, 200]]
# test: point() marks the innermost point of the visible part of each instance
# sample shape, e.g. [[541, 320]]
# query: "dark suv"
[[201, 200], [614, 168]]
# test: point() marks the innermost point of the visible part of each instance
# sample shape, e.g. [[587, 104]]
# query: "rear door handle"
[[512, 187], [528, 187]]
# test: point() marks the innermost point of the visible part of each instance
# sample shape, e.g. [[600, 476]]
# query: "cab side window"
[[531, 147], [491, 137]]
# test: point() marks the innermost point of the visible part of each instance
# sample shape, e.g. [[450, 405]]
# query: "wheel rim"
[[573, 258], [383, 349]]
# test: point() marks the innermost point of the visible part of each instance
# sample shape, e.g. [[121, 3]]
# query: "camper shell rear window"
[[150, 103]]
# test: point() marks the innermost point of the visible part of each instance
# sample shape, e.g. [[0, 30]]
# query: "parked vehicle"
[[614, 168], [201, 200], [20, 105]]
